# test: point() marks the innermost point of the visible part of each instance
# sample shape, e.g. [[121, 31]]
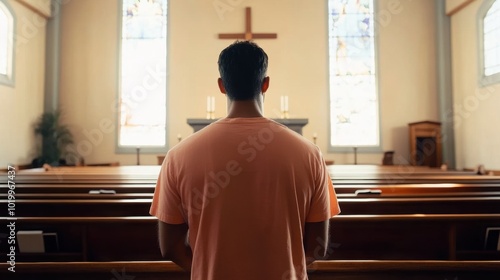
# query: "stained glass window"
[[492, 40], [143, 83], [489, 45], [6, 44], [3, 41], [354, 108]]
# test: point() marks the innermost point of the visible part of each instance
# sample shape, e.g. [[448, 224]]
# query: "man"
[[245, 197]]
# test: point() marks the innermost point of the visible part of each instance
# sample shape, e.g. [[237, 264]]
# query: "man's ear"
[[265, 84], [221, 86]]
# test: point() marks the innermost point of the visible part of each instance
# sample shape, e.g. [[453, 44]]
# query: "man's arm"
[[173, 244], [315, 241]]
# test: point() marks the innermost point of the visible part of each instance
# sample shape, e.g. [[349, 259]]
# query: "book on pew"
[[102, 192], [492, 240], [36, 241]]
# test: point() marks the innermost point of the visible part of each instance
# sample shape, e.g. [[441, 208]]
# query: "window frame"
[[8, 80], [484, 80], [359, 149], [143, 149]]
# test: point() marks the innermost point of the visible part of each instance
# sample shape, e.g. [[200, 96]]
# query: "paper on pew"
[[102, 192]]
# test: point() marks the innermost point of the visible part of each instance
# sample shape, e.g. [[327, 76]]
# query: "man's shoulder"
[[185, 144]]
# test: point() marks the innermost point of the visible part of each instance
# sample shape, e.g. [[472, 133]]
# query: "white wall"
[[477, 111], [88, 79], [298, 67], [22, 104], [407, 73]]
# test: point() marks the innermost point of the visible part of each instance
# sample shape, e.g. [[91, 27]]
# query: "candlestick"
[[213, 108], [284, 106], [210, 107], [315, 136], [355, 155]]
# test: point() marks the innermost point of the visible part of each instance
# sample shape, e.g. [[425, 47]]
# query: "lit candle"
[[209, 100], [282, 103], [212, 104], [286, 103]]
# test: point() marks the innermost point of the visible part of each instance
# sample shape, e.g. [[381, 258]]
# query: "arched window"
[[6, 44], [354, 102], [142, 122], [489, 43]]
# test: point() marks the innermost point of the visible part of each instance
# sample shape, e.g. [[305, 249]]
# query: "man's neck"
[[244, 109]]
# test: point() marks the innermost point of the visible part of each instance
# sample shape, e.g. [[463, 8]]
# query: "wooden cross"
[[248, 35]]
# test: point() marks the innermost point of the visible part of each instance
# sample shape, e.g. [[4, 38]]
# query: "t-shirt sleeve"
[[324, 204], [166, 204]]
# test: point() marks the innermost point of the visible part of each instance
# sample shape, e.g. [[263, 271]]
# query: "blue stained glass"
[[144, 19]]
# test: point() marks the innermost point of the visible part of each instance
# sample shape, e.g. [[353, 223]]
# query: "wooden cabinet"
[[425, 143]]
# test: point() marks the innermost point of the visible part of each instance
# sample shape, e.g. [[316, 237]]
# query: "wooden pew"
[[89, 175], [81, 207], [383, 237], [319, 270], [412, 236], [125, 191], [403, 174], [371, 170], [80, 196], [82, 187], [81, 190], [370, 194], [400, 198], [92, 238], [132, 195], [419, 188], [418, 179], [347, 179], [136, 195], [341, 175], [420, 205], [410, 269], [350, 206]]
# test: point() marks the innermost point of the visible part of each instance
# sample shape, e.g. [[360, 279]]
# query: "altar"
[[294, 124]]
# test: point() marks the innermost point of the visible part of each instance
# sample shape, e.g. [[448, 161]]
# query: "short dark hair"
[[242, 68]]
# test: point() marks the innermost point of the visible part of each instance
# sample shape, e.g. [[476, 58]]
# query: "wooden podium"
[[294, 124], [425, 143]]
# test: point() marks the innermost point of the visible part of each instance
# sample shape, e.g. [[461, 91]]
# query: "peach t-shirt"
[[245, 187]]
